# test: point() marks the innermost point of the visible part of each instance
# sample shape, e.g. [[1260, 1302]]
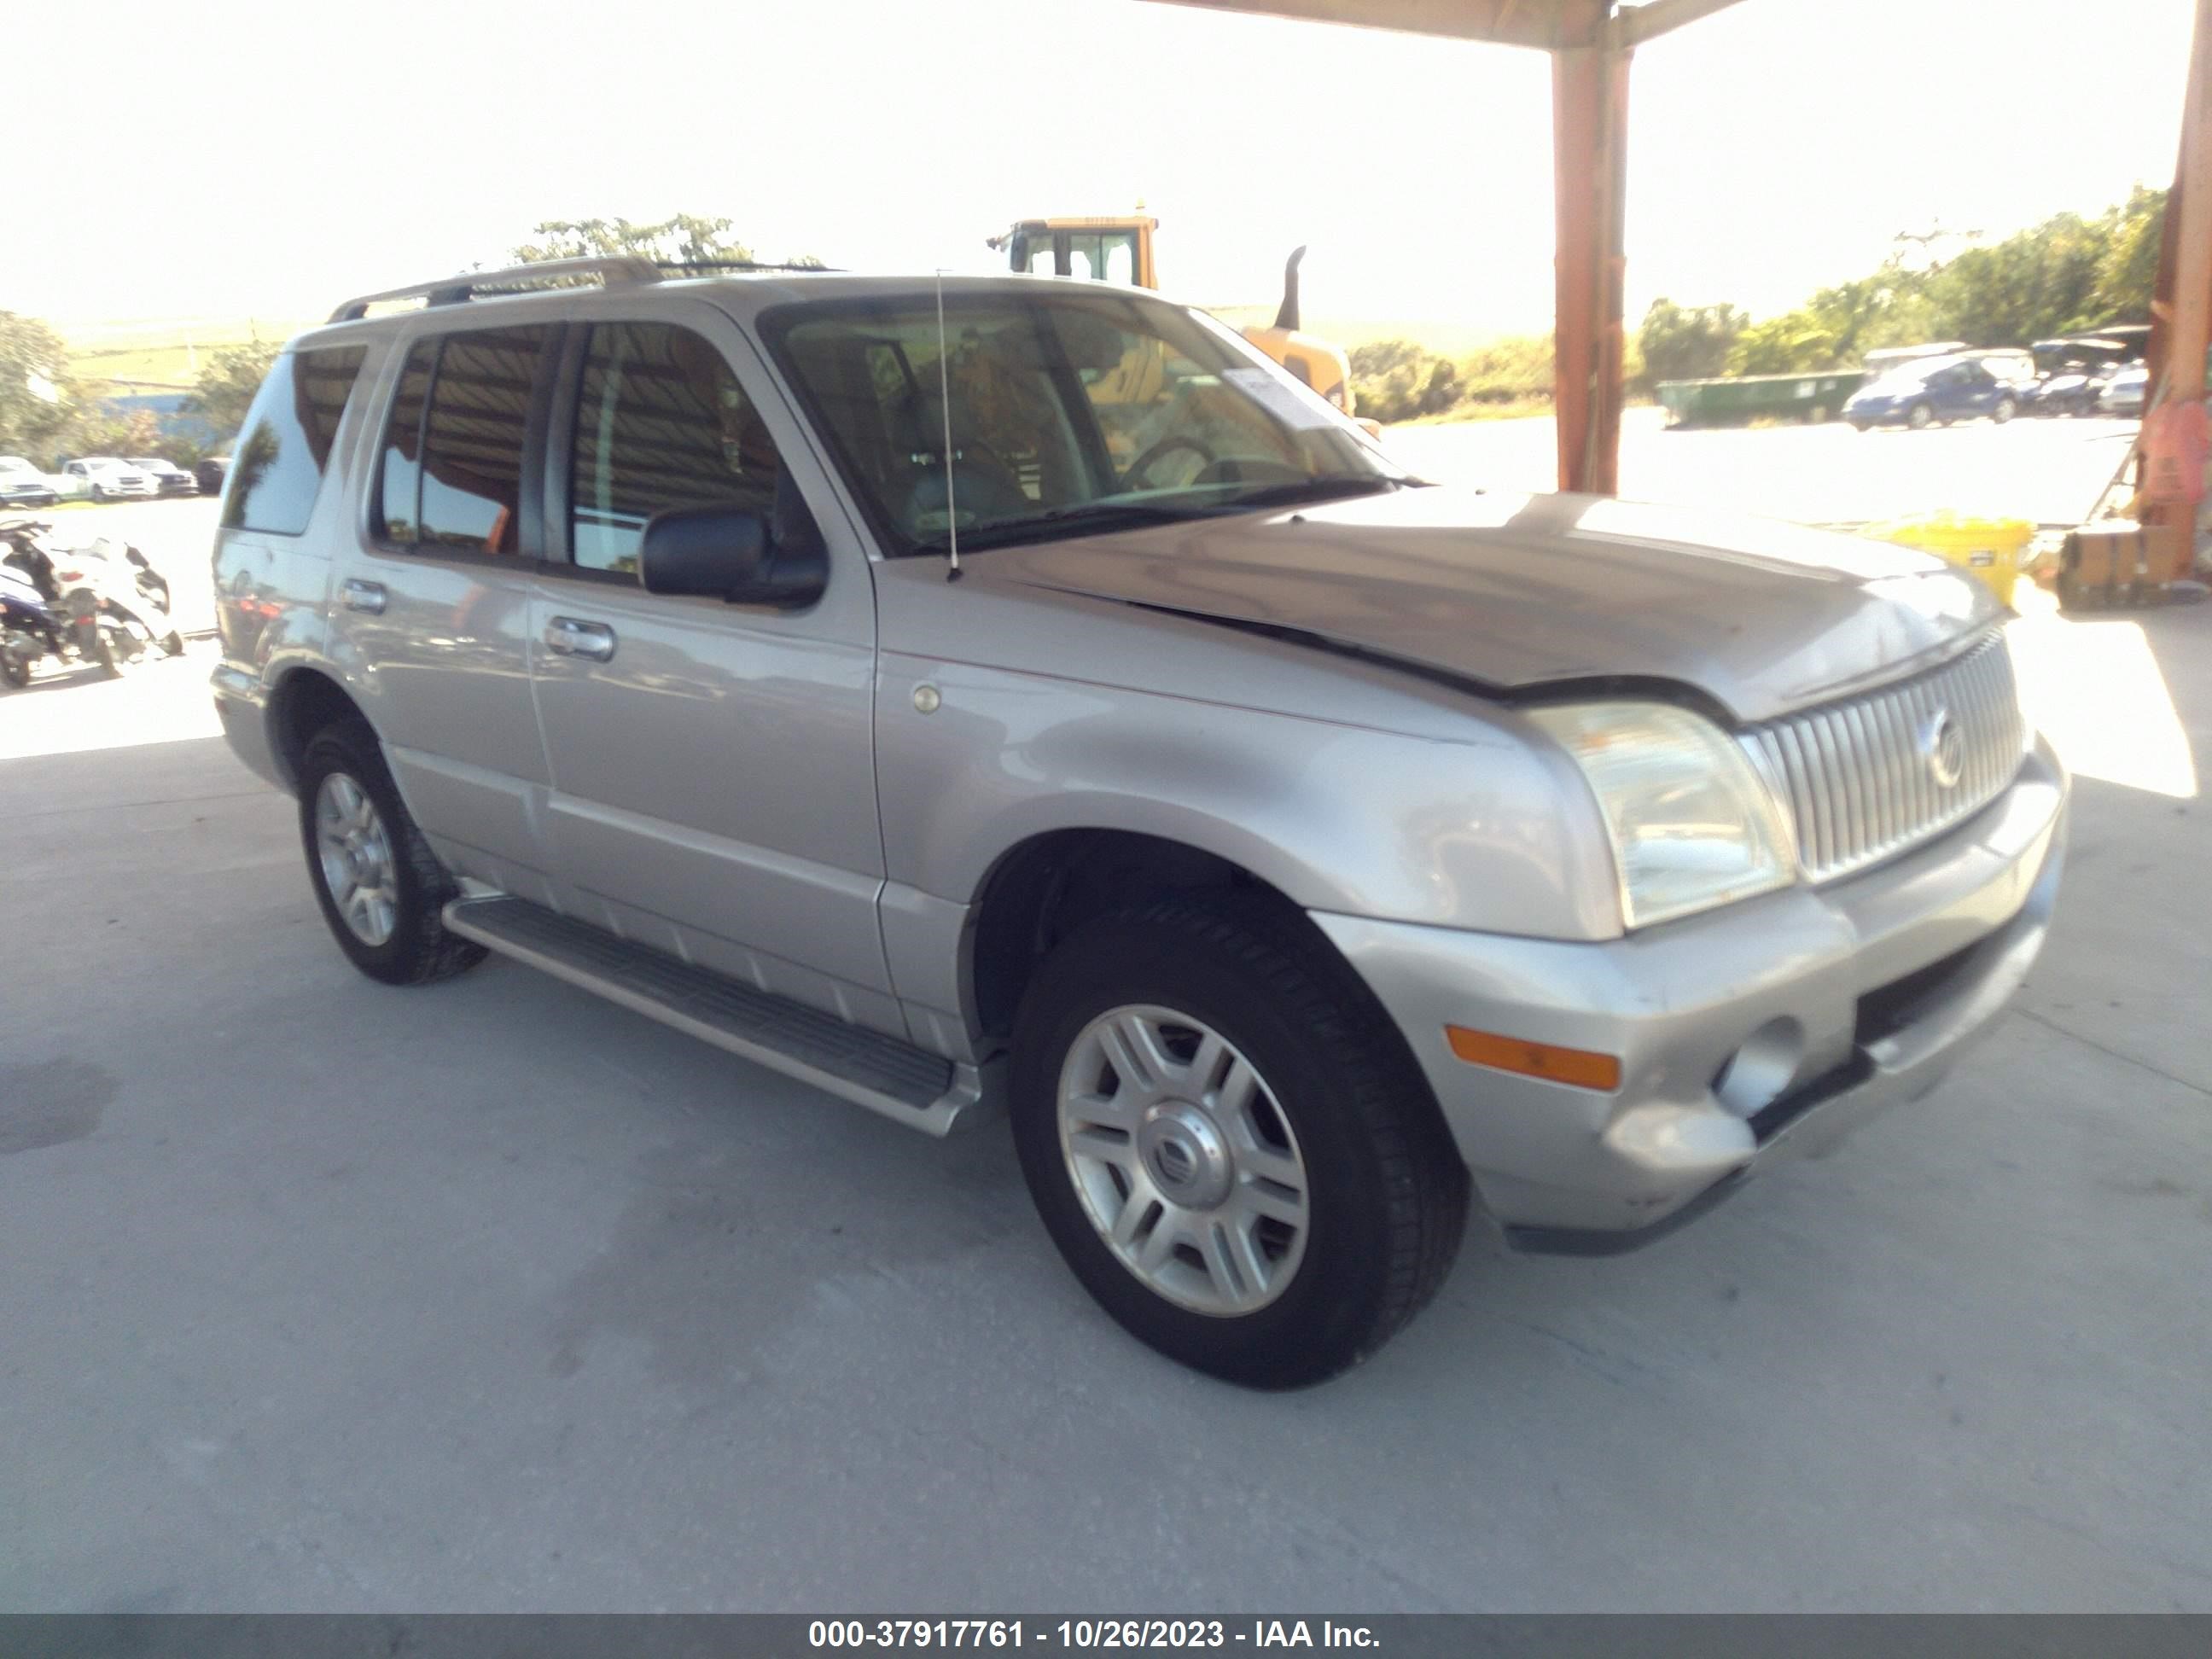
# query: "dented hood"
[[1516, 592]]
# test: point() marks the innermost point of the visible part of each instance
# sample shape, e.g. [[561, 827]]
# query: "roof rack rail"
[[610, 268], [744, 265]]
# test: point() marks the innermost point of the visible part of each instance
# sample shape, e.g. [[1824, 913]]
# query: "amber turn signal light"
[[1578, 1067]]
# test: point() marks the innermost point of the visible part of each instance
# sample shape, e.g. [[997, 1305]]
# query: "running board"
[[921, 1090]]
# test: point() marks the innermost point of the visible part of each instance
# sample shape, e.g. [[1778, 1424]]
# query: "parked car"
[[1300, 853], [208, 473], [2073, 392], [1935, 390], [169, 478], [27, 489], [2123, 394], [104, 478], [22, 485]]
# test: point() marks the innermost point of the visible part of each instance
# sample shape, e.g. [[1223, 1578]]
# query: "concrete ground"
[[319, 1295]]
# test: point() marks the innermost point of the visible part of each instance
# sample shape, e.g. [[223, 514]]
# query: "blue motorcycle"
[[29, 629], [79, 604]]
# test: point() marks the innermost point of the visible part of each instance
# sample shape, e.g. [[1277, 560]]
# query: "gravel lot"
[[320, 1295]]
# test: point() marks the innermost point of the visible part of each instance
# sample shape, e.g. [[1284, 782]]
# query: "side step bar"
[[921, 1090]]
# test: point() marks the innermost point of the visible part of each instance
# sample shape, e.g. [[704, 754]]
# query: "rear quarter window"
[[285, 447]]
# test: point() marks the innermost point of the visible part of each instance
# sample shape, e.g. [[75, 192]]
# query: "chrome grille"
[[1856, 776]]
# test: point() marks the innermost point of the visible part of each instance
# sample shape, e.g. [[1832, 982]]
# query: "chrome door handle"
[[571, 636], [365, 596]]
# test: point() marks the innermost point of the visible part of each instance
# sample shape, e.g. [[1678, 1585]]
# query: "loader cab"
[[1099, 249]]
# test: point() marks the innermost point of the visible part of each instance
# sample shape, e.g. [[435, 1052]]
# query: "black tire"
[[113, 663], [15, 668], [1920, 417], [419, 951], [1387, 1191], [2003, 409]]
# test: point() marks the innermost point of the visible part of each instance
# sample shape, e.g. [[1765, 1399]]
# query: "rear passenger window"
[[286, 444], [452, 448], [661, 422]]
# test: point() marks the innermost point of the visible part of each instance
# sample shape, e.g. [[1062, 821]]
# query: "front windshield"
[[1070, 413]]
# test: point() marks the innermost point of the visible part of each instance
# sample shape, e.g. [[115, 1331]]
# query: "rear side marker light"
[[1577, 1066]]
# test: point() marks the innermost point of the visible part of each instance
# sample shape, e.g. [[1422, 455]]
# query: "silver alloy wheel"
[[356, 858], [1182, 1160]]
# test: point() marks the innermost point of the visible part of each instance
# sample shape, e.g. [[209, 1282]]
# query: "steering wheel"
[[1167, 445]]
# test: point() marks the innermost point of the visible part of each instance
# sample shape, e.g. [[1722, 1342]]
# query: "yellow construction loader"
[[1113, 249]]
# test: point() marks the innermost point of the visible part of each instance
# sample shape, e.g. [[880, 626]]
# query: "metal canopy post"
[[1590, 118], [2181, 312], [1589, 44]]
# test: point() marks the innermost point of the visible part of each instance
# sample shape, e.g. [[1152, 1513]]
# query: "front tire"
[[1919, 418], [2003, 410], [1229, 1143], [381, 887]]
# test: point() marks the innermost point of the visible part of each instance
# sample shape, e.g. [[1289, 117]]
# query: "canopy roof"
[[1549, 24]]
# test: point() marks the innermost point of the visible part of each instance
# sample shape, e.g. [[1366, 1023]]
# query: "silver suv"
[[1019, 692]]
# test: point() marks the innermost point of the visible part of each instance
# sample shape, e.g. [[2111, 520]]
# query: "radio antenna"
[[944, 403]]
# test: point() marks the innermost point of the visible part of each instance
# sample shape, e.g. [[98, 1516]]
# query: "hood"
[[1518, 593]]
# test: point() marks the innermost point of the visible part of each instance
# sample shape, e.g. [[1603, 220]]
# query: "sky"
[[270, 159]]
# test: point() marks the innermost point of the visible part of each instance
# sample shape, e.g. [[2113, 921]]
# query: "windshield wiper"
[[1082, 519], [1322, 487], [1092, 518]]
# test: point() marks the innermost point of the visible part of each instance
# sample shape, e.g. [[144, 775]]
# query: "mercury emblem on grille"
[[1945, 746]]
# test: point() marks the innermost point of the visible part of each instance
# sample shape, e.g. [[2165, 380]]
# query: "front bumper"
[[1748, 1034]]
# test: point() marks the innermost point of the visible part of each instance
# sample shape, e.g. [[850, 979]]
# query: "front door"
[[431, 618], [713, 764]]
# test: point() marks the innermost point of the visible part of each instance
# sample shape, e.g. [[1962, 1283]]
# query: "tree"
[[2129, 266], [2033, 285], [226, 385], [1397, 380], [98, 430], [684, 240], [1687, 342], [38, 398]]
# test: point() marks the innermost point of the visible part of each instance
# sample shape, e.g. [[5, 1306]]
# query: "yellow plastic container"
[[1992, 550]]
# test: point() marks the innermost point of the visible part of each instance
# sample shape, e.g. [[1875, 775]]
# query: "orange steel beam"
[[2181, 308], [1589, 121], [1543, 23]]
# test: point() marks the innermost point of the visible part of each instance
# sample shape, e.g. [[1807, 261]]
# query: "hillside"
[[163, 352], [1443, 336]]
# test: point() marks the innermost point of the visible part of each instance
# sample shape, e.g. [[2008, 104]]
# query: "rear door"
[[431, 615], [285, 510], [713, 764]]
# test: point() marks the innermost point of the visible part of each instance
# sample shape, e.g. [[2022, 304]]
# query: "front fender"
[[1485, 831]]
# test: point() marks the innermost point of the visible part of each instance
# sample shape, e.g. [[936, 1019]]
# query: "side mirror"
[[727, 553]]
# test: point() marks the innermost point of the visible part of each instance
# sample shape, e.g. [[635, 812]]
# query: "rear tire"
[[116, 649], [405, 941], [1338, 1146]]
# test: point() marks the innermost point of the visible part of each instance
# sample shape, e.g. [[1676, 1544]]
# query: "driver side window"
[[661, 422]]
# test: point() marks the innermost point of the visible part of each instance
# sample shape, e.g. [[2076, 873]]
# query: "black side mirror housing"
[[728, 553]]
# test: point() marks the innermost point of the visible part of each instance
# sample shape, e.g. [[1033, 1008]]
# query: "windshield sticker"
[[1277, 400]]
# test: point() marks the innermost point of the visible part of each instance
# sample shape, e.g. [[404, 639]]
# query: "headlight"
[[1693, 825]]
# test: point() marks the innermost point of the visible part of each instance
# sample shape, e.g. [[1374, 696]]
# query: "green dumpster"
[[1735, 399]]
